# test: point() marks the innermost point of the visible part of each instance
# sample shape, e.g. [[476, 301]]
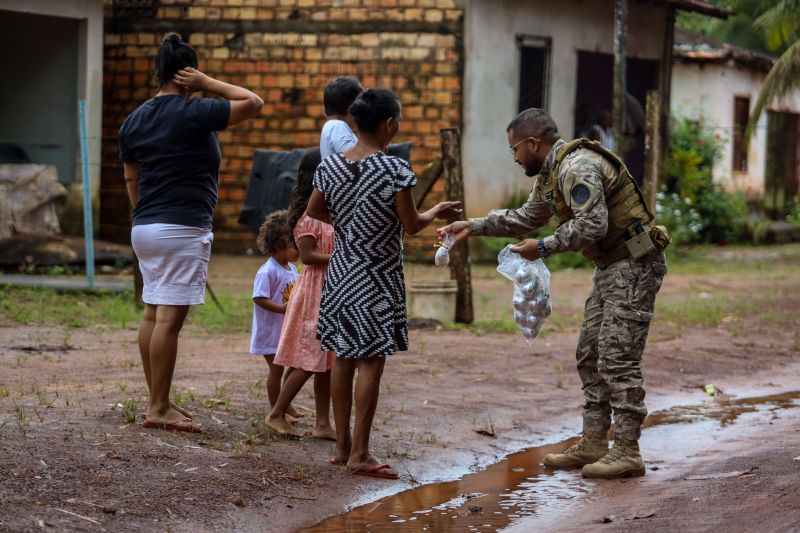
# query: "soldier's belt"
[[637, 243]]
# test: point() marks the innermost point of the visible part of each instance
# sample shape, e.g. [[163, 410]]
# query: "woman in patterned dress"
[[366, 195]]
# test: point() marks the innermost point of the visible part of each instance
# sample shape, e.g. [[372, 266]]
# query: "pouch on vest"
[[638, 241], [660, 236]]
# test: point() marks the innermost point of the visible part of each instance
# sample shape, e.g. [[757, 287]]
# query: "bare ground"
[[71, 461]]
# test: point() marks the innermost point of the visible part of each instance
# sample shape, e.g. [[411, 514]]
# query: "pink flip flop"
[[143, 416], [185, 425], [375, 471]]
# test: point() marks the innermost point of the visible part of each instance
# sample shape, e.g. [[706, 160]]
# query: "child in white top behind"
[[337, 133]]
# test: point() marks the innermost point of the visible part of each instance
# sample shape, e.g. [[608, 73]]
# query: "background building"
[[719, 84], [51, 54]]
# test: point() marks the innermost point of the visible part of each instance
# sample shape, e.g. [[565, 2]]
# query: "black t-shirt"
[[173, 141]]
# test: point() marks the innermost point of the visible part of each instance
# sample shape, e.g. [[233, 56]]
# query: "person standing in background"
[[337, 133]]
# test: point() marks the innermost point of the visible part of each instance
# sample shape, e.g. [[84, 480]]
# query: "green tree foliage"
[[767, 26], [692, 206]]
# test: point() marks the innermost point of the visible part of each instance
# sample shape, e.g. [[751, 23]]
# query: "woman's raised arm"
[[244, 104]]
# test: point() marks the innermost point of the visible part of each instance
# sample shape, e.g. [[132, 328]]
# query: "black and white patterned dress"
[[363, 308]]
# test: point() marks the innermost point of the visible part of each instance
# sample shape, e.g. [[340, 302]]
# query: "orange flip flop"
[[185, 425], [375, 471]]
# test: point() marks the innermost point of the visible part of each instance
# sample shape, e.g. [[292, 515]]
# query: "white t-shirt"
[[336, 137], [274, 282]]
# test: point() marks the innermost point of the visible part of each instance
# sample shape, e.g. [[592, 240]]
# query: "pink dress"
[[298, 346]]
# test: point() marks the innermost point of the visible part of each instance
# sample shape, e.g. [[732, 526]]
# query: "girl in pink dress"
[[298, 347]]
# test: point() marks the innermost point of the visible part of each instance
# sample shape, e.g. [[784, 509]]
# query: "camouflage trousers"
[[613, 335]]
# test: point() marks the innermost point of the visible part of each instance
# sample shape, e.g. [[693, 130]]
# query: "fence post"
[[454, 190], [652, 148], [88, 229]]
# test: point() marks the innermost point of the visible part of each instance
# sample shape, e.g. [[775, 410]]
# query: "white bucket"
[[433, 299]]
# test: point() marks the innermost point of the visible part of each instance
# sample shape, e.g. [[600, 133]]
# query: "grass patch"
[[695, 311], [774, 262], [28, 305], [41, 394], [711, 311], [129, 409], [238, 315], [482, 327], [22, 419], [183, 398]]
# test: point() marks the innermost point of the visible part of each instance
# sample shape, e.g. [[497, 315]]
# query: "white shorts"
[[173, 260]]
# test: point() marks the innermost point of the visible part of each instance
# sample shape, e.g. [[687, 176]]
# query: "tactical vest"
[[626, 204]]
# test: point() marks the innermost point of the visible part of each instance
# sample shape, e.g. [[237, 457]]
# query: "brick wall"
[[286, 51]]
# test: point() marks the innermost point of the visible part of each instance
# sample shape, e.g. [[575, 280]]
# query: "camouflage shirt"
[[583, 176]]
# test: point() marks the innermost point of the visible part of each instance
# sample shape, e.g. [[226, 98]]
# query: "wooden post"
[[620, 45], [426, 179], [652, 148], [665, 83], [454, 190]]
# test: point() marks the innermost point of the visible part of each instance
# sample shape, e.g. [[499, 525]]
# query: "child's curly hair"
[[275, 233]]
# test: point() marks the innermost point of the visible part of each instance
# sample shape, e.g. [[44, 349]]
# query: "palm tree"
[[780, 25]]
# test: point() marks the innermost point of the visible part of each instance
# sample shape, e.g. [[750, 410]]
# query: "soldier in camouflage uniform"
[[604, 216]]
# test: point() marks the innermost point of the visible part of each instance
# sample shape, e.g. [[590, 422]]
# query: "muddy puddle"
[[520, 486]]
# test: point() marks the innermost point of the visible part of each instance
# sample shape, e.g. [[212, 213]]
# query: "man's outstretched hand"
[[460, 229], [527, 249]]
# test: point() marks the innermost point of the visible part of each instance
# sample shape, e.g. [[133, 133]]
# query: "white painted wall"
[[491, 76], [707, 92], [90, 65]]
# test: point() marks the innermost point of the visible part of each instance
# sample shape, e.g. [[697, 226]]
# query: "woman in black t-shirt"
[[171, 159]]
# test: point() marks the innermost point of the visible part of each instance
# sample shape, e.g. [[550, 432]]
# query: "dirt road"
[[74, 457]]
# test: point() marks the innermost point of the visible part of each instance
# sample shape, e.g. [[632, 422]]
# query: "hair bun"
[[173, 38], [373, 106], [368, 95]]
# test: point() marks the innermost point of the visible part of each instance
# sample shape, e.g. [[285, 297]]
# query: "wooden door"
[[781, 177]]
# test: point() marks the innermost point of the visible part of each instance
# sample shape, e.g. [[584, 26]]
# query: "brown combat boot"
[[592, 446], [624, 460]]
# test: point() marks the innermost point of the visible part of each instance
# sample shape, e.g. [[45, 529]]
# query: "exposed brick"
[[358, 15], [434, 15], [420, 67], [221, 53]]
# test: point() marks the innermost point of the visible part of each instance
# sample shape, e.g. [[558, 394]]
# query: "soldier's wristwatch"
[[541, 251]]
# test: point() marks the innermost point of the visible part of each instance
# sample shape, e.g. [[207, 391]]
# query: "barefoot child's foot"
[[294, 413], [342, 452], [281, 426], [324, 432]]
